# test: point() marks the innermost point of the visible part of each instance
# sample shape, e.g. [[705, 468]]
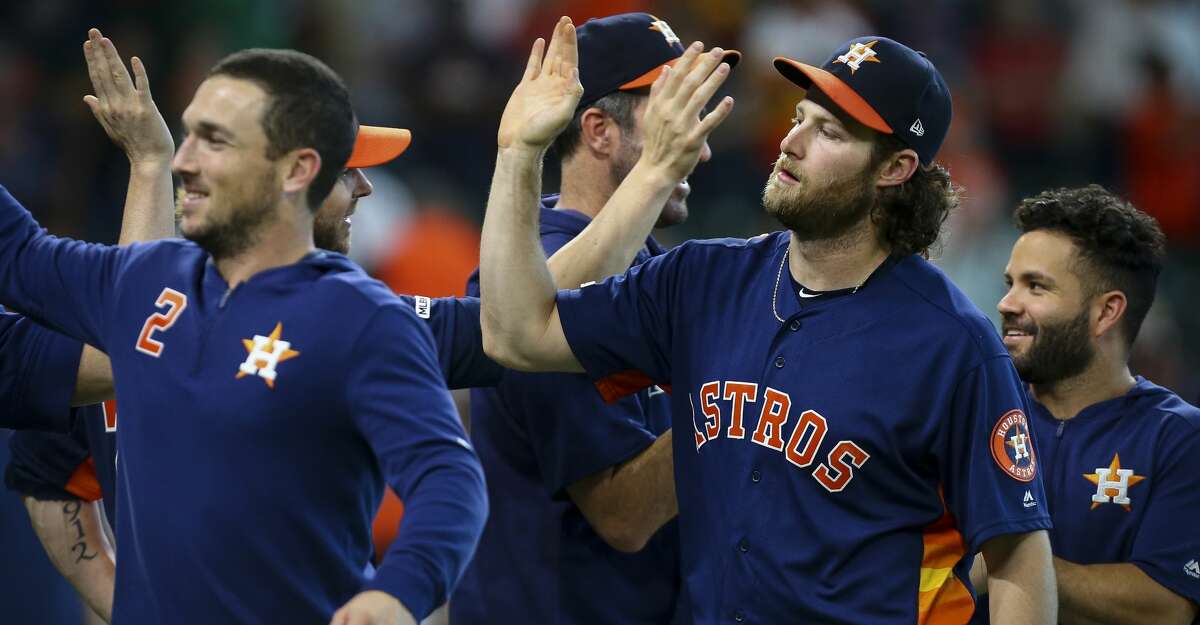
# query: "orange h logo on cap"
[[859, 53], [666, 31]]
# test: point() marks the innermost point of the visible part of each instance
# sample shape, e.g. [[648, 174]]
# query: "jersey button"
[[756, 476], [779, 362], [743, 546], [738, 616], [794, 325]]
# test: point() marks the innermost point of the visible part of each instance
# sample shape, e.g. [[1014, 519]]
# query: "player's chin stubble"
[[240, 228], [1058, 351], [815, 212]]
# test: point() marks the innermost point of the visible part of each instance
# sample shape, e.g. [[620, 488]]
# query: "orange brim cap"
[[645, 80], [805, 76], [376, 145]]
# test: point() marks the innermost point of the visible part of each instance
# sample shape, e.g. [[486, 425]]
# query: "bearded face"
[[1054, 350], [818, 207]]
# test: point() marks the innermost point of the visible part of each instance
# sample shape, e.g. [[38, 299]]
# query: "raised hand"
[[673, 133], [544, 101], [124, 107]]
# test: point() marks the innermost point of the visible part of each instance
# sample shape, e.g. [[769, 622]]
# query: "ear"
[[898, 168], [1107, 310], [300, 167], [598, 132]]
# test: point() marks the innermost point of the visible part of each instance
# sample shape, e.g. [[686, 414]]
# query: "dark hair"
[[309, 107], [1120, 247], [618, 105], [909, 216]]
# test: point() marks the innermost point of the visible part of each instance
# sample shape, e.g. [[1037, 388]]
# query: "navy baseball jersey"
[[539, 560], [1123, 482], [257, 427], [83, 464], [837, 459], [38, 368]]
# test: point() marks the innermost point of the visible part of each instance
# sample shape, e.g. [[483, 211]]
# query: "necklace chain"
[[775, 293], [778, 279]]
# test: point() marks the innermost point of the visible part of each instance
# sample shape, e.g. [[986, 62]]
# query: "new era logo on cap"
[[886, 86]]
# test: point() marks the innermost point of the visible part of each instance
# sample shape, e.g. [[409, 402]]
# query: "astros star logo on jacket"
[[265, 354]]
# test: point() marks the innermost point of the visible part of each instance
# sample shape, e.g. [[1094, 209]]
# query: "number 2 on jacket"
[[174, 302]]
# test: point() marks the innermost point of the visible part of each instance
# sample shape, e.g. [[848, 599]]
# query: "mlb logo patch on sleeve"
[[1012, 446]]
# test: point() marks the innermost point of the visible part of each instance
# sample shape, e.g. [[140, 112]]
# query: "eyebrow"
[[1034, 276], [208, 129], [824, 117]]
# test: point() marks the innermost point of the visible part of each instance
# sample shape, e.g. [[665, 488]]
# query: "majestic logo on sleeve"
[[1112, 484], [858, 54], [1012, 446], [266, 352], [666, 31]]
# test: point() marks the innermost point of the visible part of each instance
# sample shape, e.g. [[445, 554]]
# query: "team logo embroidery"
[[1112, 484], [1192, 568], [1012, 446], [265, 353], [859, 53], [667, 33]]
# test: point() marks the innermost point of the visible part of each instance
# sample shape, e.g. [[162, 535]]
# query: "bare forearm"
[[1116, 594], [1021, 579], [609, 244], [73, 536], [149, 202], [94, 382], [518, 294], [628, 503]]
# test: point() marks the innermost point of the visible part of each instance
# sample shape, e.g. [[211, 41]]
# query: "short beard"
[[328, 234], [1058, 352], [818, 212], [242, 229]]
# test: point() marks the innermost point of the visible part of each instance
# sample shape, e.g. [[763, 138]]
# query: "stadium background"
[[1047, 93]]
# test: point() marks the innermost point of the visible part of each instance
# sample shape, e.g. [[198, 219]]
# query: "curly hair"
[[1120, 248], [909, 216]]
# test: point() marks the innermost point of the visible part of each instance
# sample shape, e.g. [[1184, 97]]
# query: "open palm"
[[544, 102]]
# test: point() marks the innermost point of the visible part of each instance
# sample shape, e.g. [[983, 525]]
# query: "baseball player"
[[584, 484], [850, 429], [224, 350], [1121, 455]]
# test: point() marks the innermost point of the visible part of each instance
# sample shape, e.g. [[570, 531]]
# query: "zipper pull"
[[1061, 425], [225, 298]]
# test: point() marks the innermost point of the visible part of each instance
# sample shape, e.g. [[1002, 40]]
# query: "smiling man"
[[838, 458], [277, 385], [1120, 455]]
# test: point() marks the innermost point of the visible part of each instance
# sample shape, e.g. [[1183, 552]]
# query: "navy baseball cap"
[[886, 86], [626, 51]]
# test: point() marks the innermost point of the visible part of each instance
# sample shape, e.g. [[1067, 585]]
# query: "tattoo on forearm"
[[71, 511]]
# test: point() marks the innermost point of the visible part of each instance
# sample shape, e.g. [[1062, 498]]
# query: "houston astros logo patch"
[[858, 54], [666, 31], [265, 353], [1012, 446]]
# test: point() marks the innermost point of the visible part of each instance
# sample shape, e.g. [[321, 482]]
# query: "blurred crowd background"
[[1047, 93]]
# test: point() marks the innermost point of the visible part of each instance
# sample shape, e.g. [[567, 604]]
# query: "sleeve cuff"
[[1169, 581], [410, 583], [989, 532]]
